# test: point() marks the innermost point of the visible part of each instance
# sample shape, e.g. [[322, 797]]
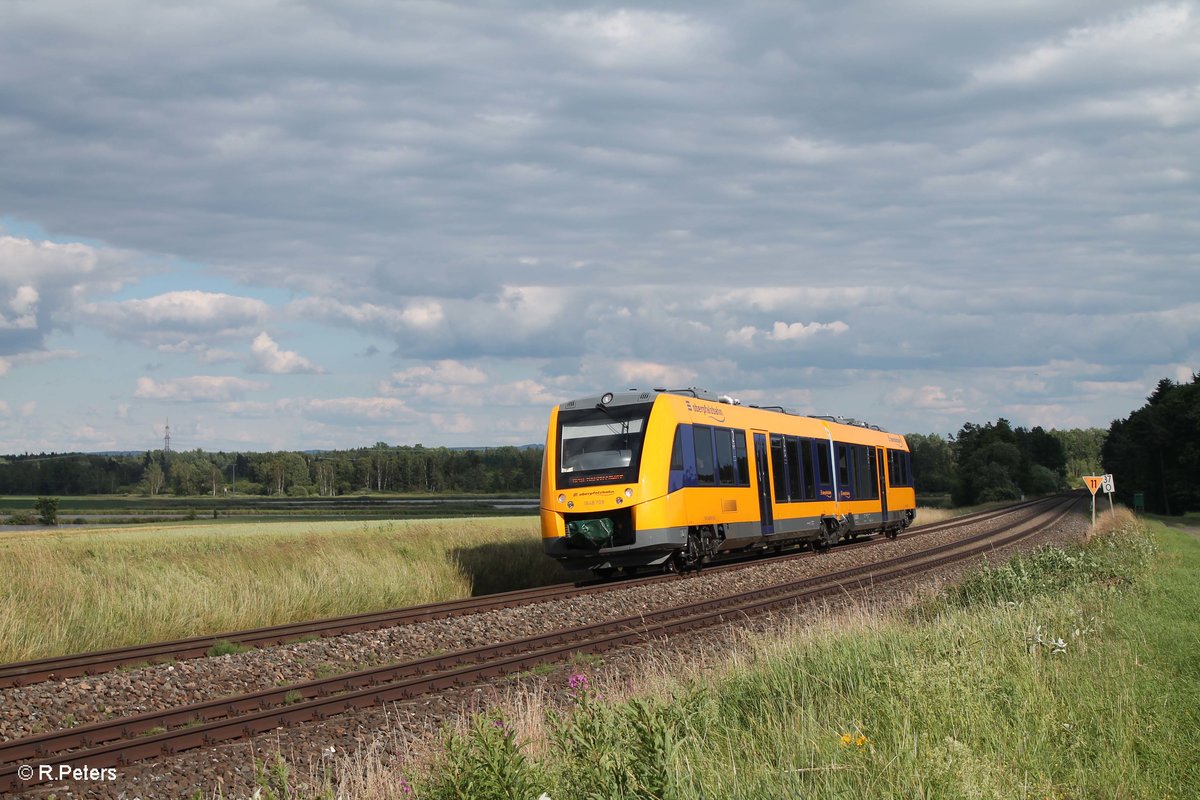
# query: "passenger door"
[[762, 470], [881, 469]]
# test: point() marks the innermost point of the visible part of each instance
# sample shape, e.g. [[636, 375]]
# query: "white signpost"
[[1094, 484]]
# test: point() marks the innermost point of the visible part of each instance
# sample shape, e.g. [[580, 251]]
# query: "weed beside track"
[[1065, 674]]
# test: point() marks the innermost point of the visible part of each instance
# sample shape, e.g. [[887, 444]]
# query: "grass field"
[[75, 589], [1059, 675]]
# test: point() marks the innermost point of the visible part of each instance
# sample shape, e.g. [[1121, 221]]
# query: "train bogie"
[[675, 479]]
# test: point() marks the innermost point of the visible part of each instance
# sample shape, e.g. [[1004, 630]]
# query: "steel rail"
[[413, 678], [25, 673]]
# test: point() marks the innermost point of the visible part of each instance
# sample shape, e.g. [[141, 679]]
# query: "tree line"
[[995, 461], [1155, 451], [381, 468]]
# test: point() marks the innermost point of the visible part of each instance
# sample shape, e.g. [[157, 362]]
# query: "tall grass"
[[1080, 682], [88, 590]]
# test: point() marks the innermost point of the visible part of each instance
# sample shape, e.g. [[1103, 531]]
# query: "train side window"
[[677, 450], [899, 468], [869, 475], [843, 467], [795, 483], [703, 444], [778, 468], [823, 467], [810, 475], [726, 471], [743, 461]]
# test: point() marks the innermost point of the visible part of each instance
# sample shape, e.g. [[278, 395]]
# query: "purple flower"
[[404, 786], [578, 682]]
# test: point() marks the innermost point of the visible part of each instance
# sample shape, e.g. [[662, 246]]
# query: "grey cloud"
[[960, 185]]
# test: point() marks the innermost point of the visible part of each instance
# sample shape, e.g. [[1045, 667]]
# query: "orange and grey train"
[[674, 479]]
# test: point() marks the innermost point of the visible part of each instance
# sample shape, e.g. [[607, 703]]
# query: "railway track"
[[145, 736], [25, 673]]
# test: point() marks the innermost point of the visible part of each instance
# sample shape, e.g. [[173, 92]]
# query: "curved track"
[[131, 739], [27, 672]]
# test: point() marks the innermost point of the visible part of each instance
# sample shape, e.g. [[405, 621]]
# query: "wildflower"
[[846, 740], [578, 682], [405, 788], [861, 740]]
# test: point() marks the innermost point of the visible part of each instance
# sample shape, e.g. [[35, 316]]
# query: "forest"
[[1155, 452], [380, 468]]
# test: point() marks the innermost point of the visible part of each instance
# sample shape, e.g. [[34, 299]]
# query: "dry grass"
[[1111, 522], [931, 516], [107, 588]]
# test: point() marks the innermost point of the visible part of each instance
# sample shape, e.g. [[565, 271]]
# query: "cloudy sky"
[[311, 225]]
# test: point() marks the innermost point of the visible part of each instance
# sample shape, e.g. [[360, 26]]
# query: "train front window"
[[601, 445]]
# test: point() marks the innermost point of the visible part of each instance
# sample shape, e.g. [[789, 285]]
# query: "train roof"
[[634, 396]]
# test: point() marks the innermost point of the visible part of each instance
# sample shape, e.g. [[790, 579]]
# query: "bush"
[[47, 508]]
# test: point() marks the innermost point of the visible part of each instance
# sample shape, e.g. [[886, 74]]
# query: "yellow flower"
[[847, 739], [861, 740]]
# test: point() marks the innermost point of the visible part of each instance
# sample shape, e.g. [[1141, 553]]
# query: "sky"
[[303, 225]]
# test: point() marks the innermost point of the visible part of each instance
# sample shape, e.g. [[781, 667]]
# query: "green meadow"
[[1060, 674]]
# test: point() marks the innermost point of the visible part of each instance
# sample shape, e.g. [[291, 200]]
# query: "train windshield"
[[601, 445]]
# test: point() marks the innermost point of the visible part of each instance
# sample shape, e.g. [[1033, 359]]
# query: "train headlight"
[[606, 399], [619, 501], [571, 504], [562, 498], [629, 493]]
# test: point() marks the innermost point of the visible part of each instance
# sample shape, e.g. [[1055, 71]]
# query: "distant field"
[[131, 509], [73, 589]]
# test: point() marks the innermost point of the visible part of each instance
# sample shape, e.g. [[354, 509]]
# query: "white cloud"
[[444, 371], [357, 408], [932, 398], [196, 389], [647, 374], [24, 307], [628, 38], [422, 314], [185, 316], [787, 332], [1148, 38], [452, 423], [266, 356], [42, 284]]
